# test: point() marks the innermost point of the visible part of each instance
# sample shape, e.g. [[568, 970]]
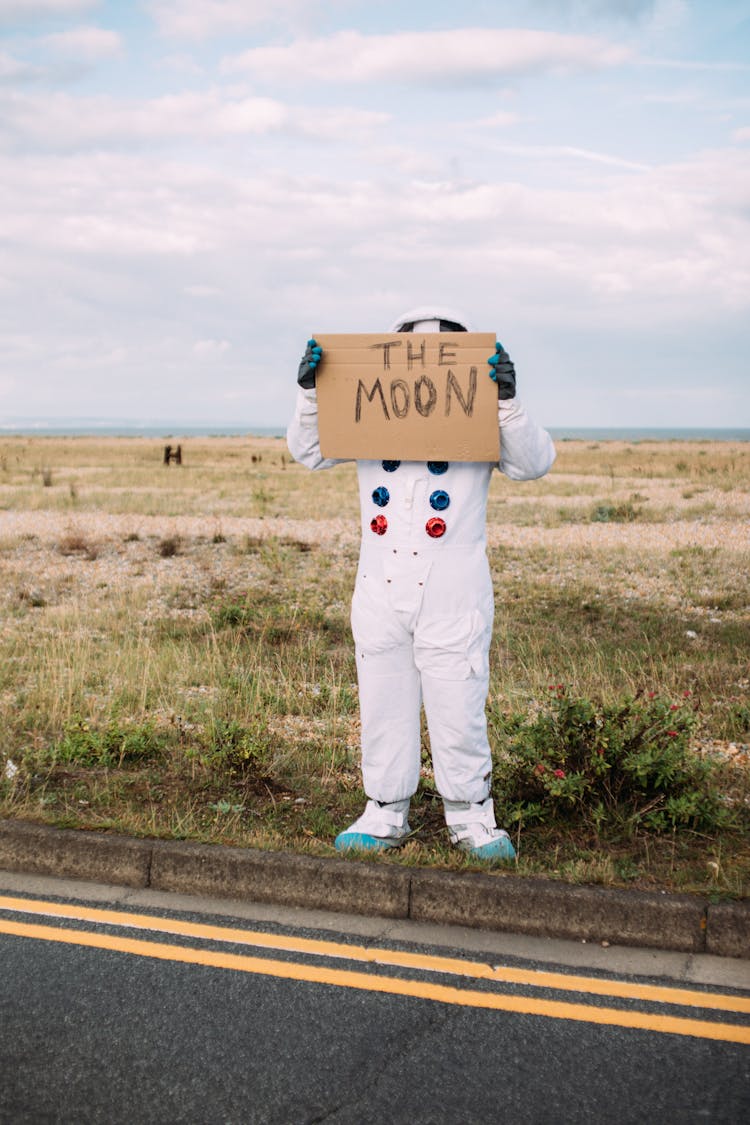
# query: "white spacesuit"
[[422, 620]]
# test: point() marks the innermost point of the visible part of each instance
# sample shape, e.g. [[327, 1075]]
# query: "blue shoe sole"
[[500, 851], [362, 842]]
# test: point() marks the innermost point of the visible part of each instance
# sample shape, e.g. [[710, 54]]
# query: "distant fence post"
[[171, 454]]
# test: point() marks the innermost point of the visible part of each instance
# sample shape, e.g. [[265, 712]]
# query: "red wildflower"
[[673, 733], [559, 773]]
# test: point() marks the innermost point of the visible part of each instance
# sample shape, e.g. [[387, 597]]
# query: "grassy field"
[[175, 656]]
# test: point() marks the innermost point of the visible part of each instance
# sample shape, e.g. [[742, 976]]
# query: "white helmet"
[[431, 318]]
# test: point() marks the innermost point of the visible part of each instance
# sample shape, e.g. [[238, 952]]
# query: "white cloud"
[[464, 55], [202, 291], [86, 43], [63, 122], [741, 136], [677, 97], [670, 239], [12, 11], [625, 9], [211, 349], [571, 152], [14, 70], [586, 10], [185, 65], [203, 19], [409, 161], [16, 345], [339, 123], [693, 64], [500, 120]]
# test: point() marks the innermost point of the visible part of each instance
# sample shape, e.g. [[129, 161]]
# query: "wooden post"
[[171, 454]]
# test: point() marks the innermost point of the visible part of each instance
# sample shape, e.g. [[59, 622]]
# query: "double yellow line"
[[393, 985]]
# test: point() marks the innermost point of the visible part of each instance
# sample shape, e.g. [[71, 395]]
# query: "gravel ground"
[[51, 527]]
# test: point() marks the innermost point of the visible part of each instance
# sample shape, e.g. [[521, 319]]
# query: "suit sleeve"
[[526, 450], [302, 436]]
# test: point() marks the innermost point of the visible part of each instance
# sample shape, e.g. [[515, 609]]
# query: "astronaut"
[[422, 613]]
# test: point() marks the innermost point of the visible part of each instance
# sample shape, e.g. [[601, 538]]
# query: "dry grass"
[[175, 657]]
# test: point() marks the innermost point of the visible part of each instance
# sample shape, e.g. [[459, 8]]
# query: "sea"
[[107, 427]]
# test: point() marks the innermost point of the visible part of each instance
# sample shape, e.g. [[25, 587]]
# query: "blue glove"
[[503, 372], [309, 365]]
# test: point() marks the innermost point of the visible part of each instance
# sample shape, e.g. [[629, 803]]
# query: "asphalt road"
[[114, 1013]]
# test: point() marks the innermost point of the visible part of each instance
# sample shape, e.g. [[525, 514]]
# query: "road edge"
[[500, 902]]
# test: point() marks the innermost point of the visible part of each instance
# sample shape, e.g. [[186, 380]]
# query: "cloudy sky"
[[189, 188]]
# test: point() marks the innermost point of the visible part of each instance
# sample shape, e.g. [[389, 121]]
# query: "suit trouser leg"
[[389, 703], [452, 644], [456, 720]]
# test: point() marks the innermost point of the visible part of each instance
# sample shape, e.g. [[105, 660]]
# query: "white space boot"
[[472, 828], [381, 826]]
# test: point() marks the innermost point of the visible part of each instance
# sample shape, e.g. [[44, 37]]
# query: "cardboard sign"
[[408, 396]]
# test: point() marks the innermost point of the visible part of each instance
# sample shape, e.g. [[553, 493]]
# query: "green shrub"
[[616, 767]]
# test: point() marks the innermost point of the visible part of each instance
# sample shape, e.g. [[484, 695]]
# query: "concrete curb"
[[503, 903], [280, 877], [549, 908]]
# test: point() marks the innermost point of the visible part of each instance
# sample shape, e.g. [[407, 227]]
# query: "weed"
[[114, 744], [250, 545], [738, 722], [33, 598], [77, 544], [232, 748], [615, 513], [225, 807], [169, 546], [262, 498]]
